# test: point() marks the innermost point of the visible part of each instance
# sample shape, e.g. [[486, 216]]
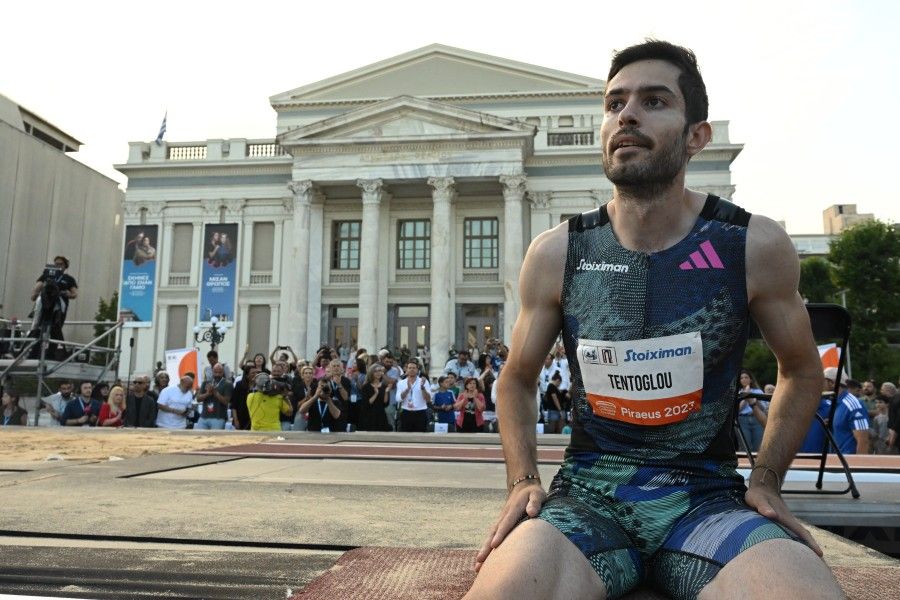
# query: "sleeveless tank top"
[[654, 341]]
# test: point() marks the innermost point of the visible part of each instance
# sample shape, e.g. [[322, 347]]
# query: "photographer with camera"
[[267, 403], [322, 412], [51, 295]]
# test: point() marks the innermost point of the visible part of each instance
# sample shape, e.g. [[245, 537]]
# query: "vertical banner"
[[137, 292], [219, 281], [181, 361]]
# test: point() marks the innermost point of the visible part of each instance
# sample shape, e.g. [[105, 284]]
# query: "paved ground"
[[222, 526]]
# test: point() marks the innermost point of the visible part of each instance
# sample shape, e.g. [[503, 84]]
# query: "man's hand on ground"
[[526, 498], [768, 503]]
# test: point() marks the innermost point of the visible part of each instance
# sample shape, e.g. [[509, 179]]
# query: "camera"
[[269, 385]]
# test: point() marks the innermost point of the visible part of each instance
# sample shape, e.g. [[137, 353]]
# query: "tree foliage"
[[107, 310], [760, 361], [865, 259], [816, 280]]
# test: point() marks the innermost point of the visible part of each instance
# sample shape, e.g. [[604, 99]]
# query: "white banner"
[[181, 361]]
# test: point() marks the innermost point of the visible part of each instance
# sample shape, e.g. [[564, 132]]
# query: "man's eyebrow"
[[647, 89]]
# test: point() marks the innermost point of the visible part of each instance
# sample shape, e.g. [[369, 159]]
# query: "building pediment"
[[437, 71], [406, 119]]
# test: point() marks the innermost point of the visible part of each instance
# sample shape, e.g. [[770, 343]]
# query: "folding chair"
[[829, 322]]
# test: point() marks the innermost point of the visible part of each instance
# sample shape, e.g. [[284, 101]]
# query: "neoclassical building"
[[393, 207]]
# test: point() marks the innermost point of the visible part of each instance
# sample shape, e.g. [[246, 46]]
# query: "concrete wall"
[[51, 204]]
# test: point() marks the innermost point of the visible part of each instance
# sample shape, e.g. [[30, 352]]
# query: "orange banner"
[[646, 412]]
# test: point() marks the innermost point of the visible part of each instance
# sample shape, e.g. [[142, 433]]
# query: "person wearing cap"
[[851, 420]]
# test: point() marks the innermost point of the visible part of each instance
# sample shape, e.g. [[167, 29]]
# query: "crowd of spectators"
[[341, 389]]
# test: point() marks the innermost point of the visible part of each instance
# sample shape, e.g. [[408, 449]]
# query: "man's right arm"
[[536, 328]]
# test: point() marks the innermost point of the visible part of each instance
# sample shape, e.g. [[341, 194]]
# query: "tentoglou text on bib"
[[644, 382]]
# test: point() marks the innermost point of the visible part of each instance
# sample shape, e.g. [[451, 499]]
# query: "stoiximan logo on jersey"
[[608, 267], [635, 356]]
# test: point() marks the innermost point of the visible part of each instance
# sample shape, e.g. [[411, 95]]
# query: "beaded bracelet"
[[524, 478], [766, 470]]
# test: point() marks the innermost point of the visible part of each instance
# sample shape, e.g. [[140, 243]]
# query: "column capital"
[[373, 190], [212, 205], [513, 186], [302, 188], [234, 206], [443, 188], [540, 200], [601, 196]]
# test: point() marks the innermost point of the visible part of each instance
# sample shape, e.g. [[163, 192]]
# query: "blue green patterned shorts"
[[672, 527]]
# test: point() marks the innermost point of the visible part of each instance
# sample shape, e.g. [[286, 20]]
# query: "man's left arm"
[[773, 274], [72, 292]]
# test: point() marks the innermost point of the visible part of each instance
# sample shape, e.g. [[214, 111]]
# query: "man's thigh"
[[721, 547], [774, 569], [537, 561]]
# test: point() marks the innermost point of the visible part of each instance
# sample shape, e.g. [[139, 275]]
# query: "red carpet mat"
[[427, 574]]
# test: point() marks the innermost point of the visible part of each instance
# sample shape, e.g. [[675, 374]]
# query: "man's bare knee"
[[536, 561], [775, 568]]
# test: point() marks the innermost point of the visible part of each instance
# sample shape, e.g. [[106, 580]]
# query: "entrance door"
[[412, 328], [479, 324], [344, 326]]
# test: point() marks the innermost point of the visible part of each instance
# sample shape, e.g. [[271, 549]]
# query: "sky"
[[808, 87]]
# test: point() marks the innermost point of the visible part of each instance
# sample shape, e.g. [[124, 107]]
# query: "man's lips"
[[629, 141]]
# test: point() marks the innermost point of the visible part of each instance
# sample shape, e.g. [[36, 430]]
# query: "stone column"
[[372, 194], [297, 270], [441, 317], [540, 212], [513, 253]]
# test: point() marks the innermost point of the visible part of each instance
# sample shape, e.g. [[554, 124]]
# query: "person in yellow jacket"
[[266, 402]]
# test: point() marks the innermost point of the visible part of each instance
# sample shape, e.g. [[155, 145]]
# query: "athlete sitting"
[[654, 335]]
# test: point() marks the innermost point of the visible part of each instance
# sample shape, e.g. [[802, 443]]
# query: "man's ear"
[[698, 136]]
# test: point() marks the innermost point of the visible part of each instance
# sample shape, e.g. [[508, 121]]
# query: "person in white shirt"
[[414, 397], [547, 372], [174, 404], [561, 364], [52, 406], [461, 366]]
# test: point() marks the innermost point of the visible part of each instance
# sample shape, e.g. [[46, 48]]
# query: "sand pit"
[[42, 443]]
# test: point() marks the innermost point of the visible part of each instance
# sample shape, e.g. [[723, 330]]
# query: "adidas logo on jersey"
[[704, 258]]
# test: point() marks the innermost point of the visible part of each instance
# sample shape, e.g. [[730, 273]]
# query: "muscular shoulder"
[[772, 263], [544, 266]]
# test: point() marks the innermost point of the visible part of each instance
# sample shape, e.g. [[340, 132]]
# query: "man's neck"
[[652, 224]]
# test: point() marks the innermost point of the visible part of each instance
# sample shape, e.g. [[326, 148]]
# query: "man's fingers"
[[794, 525]]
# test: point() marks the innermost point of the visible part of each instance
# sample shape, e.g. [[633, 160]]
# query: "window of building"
[[177, 327], [263, 247], [345, 244], [258, 322], [414, 244], [481, 243], [567, 121], [182, 239]]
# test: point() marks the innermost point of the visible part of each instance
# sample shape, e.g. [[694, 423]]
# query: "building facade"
[[51, 204], [393, 207]]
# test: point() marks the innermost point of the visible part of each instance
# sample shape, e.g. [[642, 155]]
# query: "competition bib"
[[644, 382]]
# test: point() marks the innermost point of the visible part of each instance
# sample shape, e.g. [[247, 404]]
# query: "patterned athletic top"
[[655, 341]]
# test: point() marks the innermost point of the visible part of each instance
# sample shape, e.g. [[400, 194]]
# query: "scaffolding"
[[27, 357]]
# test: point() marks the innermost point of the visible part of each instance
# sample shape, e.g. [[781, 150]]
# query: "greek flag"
[[162, 129]]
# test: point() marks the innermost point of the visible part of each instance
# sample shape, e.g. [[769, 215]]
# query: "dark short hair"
[[466, 352], [212, 353], [412, 361], [84, 381], [442, 379], [690, 82], [853, 383], [63, 259]]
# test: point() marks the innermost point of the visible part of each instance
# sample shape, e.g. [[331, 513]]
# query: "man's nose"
[[630, 113]]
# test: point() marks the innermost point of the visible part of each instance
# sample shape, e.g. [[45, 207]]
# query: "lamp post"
[[215, 334]]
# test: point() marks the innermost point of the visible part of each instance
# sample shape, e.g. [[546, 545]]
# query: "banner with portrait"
[[218, 283], [137, 293]]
